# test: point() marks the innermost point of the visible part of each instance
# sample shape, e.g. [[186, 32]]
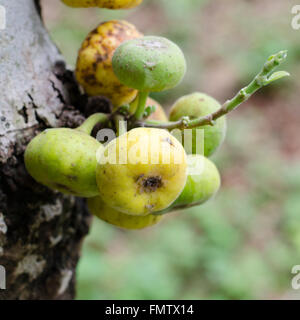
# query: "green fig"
[[149, 64], [198, 105], [64, 159], [202, 183]]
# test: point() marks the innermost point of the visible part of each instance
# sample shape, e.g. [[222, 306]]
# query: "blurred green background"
[[244, 243]]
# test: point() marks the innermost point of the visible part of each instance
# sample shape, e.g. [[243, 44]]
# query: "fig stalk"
[[142, 99], [89, 124], [119, 123], [262, 79]]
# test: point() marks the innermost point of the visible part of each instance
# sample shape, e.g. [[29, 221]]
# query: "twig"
[[263, 78]]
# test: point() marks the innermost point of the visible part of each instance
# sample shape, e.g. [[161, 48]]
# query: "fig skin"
[[108, 4], [202, 184], [94, 69], [142, 186], [64, 159], [198, 105], [101, 210], [149, 64], [200, 187]]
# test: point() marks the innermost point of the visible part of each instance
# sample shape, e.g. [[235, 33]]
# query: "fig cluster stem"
[[263, 78]]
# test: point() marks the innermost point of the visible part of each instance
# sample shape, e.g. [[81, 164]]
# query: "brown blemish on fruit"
[[72, 178], [103, 42], [148, 184], [150, 65]]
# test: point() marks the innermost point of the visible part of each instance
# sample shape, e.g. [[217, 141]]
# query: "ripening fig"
[[149, 64], [108, 4], [202, 183], [100, 209], [94, 63], [198, 105], [64, 159], [142, 171], [159, 113]]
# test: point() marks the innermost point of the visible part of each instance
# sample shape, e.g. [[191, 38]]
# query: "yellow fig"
[[100, 209], [94, 64], [108, 4], [142, 171]]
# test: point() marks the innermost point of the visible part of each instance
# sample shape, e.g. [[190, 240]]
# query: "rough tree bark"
[[40, 231]]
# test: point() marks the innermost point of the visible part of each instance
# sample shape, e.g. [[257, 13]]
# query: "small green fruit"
[[149, 64], [65, 160], [203, 182], [198, 105]]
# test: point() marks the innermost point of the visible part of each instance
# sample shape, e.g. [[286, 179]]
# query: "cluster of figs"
[[147, 171]]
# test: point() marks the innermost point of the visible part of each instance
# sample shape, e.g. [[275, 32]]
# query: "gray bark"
[[40, 230]]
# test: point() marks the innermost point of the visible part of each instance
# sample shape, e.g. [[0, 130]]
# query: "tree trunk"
[[40, 230]]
